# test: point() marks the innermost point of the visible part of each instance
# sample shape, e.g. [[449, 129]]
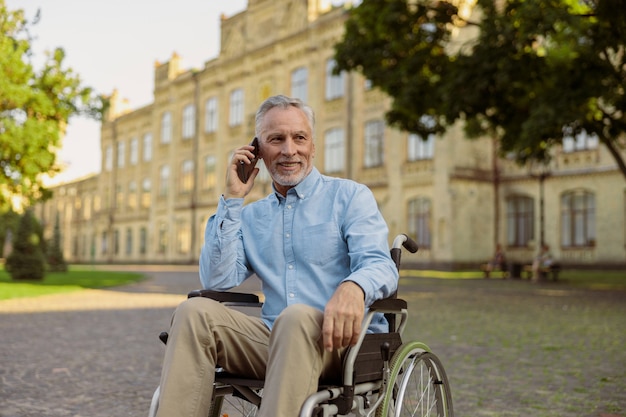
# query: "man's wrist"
[[355, 284]]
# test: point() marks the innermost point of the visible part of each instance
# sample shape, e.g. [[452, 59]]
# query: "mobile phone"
[[244, 170]]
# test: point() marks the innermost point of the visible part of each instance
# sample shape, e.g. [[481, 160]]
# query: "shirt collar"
[[305, 187]]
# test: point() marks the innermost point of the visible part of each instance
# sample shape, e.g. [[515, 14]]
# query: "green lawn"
[[80, 277], [599, 280], [77, 278]]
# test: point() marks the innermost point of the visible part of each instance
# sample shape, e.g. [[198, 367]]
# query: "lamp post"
[[541, 171]]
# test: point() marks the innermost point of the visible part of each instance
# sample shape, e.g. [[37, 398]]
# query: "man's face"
[[286, 146]]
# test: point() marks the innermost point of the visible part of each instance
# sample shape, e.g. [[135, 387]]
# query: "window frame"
[[164, 180], [374, 144], [186, 176], [236, 108], [520, 220], [335, 83], [578, 219], [300, 83], [210, 115], [419, 220], [419, 149], [334, 150], [188, 128], [146, 153], [166, 128]]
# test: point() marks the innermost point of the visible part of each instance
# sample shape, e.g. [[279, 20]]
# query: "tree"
[[537, 70], [35, 107], [56, 261], [26, 261], [8, 228]]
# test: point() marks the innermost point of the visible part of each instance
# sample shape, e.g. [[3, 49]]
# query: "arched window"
[[164, 183], [419, 215], [334, 82], [374, 155], [235, 118], [166, 127], [189, 121], [210, 115], [334, 150], [186, 176], [578, 219], [299, 83], [520, 220]]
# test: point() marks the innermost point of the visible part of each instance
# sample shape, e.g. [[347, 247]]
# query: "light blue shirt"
[[302, 246]]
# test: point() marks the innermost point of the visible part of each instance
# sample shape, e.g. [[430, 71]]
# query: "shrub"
[[26, 261], [56, 261]]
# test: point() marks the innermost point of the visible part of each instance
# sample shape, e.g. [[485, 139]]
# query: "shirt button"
[[287, 235], [289, 206], [291, 295], [290, 267]]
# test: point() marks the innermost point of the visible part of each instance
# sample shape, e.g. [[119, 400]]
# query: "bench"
[[486, 272], [544, 272]]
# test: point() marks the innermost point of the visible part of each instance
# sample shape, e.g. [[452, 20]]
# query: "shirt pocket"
[[322, 243]]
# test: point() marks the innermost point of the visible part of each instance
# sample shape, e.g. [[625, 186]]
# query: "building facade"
[[163, 165]]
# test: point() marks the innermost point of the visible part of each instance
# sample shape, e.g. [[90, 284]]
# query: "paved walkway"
[[93, 353], [511, 349]]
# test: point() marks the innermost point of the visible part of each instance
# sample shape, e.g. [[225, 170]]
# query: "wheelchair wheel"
[[232, 405], [418, 385]]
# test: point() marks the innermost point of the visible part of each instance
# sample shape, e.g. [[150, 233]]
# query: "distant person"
[[542, 261], [497, 262]]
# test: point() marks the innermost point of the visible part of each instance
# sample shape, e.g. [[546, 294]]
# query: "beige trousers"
[[205, 334]]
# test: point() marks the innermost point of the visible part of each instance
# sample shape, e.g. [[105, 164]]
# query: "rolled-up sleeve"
[[366, 233], [222, 259]]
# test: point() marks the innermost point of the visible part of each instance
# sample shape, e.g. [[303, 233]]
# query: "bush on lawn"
[[26, 261], [56, 261]]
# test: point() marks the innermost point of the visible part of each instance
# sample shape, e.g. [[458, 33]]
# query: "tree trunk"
[[615, 152]]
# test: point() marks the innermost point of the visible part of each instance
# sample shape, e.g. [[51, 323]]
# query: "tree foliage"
[[35, 106], [536, 71]]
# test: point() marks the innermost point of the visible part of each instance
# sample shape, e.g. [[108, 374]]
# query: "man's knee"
[[195, 310], [300, 317]]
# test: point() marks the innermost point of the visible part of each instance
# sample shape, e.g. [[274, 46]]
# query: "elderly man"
[[319, 246]]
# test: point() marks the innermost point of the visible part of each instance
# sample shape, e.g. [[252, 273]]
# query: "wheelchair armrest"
[[388, 304], [232, 299], [226, 296]]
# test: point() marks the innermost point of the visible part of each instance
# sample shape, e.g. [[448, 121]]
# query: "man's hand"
[[343, 317], [235, 188]]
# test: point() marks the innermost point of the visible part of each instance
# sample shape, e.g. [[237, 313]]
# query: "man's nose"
[[289, 147]]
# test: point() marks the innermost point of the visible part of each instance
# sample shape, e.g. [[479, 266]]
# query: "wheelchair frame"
[[381, 374]]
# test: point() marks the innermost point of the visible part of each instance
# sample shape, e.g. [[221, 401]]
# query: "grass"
[[77, 278], [595, 280], [582, 279], [80, 277], [512, 348]]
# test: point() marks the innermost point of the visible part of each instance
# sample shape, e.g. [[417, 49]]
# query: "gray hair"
[[283, 102]]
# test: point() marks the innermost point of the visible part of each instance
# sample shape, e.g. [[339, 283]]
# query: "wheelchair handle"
[[404, 240], [396, 249]]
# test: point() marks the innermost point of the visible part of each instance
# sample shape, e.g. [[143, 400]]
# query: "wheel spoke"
[[418, 386]]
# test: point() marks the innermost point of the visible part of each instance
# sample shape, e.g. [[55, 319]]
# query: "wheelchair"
[[382, 375]]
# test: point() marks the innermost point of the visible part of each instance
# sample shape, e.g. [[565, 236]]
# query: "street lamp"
[[541, 171]]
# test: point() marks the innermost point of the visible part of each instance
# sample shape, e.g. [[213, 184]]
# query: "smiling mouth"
[[289, 165]]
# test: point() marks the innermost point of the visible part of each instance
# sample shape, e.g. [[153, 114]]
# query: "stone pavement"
[[92, 353], [510, 348]]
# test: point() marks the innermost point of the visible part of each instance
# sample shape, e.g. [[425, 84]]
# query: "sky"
[[113, 44]]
